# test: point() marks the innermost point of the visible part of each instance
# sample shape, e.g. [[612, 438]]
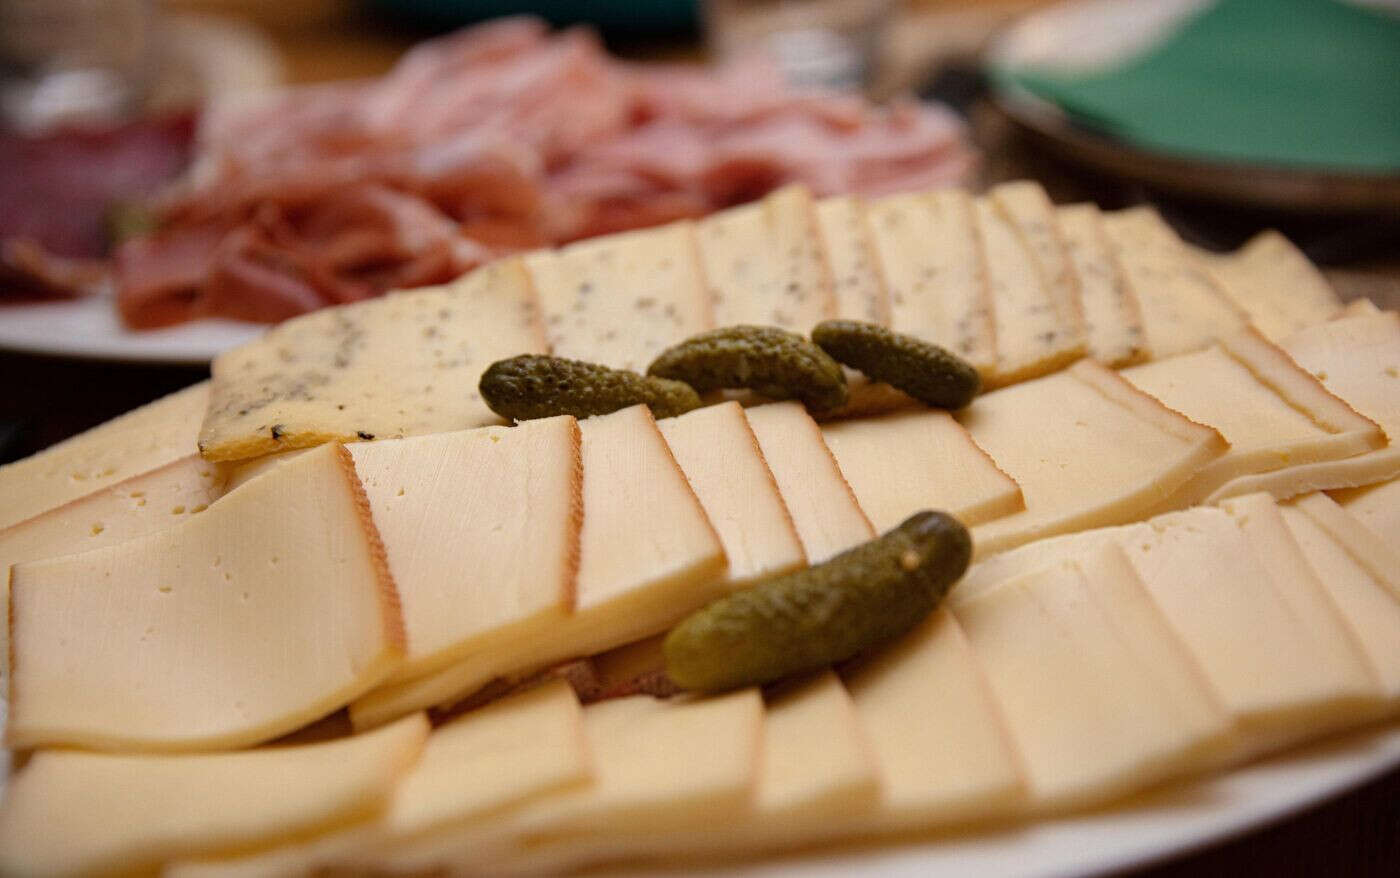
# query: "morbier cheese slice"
[[115, 648], [70, 812], [1184, 308], [622, 299], [1377, 507], [139, 441], [860, 290], [1087, 449], [901, 463], [481, 531], [764, 263], [722, 461], [1275, 284], [402, 365], [823, 508], [1112, 319]]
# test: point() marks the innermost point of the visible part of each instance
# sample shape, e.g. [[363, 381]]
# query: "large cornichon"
[[927, 372], [824, 614], [771, 361], [534, 386]]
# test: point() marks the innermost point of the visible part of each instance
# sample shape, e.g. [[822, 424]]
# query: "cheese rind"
[[1275, 284], [1113, 321], [860, 290]]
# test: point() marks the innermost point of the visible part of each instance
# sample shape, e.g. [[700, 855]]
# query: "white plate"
[[89, 328]]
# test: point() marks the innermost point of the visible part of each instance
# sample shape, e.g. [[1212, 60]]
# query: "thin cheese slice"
[[902, 463], [481, 530], [406, 364], [1358, 359], [940, 746], [1026, 205], [622, 299], [764, 263], [1377, 507], [1184, 308], [139, 441], [1275, 284], [1373, 552], [1087, 449], [823, 508], [70, 812], [860, 290], [1036, 332], [931, 259], [721, 459], [113, 648], [1113, 321]]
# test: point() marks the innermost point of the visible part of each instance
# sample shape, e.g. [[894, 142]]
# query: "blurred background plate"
[[90, 329]]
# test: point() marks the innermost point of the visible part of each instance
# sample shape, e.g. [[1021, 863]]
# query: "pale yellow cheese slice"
[[1113, 321], [622, 299], [405, 364], [1275, 284], [481, 531], [817, 495], [1026, 205], [901, 463], [928, 252], [1088, 450], [139, 441], [1184, 308], [725, 467], [114, 648], [1370, 549], [1377, 507], [70, 812], [850, 252], [1358, 359], [765, 264]]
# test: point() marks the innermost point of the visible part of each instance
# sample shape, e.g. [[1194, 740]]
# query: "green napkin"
[[1300, 83]]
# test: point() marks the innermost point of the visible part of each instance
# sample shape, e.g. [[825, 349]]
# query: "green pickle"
[[825, 614], [534, 386], [773, 362], [932, 375]]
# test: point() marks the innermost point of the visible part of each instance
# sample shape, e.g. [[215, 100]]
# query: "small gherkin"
[[535, 386], [771, 361], [932, 375], [825, 614]]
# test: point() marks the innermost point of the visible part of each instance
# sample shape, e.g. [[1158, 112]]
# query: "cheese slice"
[[622, 299], [1275, 284], [1184, 308], [722, 461], [1373, 552], [139, 441], [70, 812], [1362, 307], [1358, 359], [113, 648], [816, 493], [481, 531], [764, 263], [1377, 507], [1112, 318], [901, 463], [1036, 332], [1026, 205], [1088, 450], [850, 252], [938, 739], [406, 364], [928, 252]]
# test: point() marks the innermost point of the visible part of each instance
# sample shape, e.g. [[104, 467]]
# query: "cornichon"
[[534, 386], [771, 361], [925, 371], [824, 614]]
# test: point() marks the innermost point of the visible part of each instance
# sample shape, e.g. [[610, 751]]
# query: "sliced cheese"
[[725, 467], [113, 648], [1358, 359], [70, 812], [764, 263], [817, 495], [901, 463], [1112, 319], [1184, 308], [1362, 307], [622, 299], [139, 441], [930, 257], [1087, 449], [481, 531], [1275, 284], [406, 364], [1373, 552], [1026, 205], [850, 252], [1377, 507]]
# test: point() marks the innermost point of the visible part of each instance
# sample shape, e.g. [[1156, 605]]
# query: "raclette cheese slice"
[[860, 290], [1275, 284], [481, 532], [1112, 319], [904, 462], [1376, 506], [75, 813], [268, 610]]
